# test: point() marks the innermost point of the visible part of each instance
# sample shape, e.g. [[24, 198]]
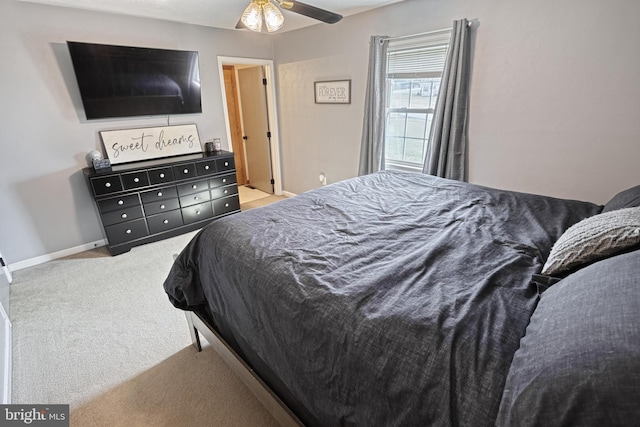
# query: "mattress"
[[389, 299]]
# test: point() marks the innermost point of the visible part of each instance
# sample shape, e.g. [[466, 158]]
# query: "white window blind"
[[418, 57]]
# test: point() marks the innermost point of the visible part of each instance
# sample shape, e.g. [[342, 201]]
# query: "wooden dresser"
[[144, 202]]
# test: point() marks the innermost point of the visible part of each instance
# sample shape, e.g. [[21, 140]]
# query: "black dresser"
[[144, 202]]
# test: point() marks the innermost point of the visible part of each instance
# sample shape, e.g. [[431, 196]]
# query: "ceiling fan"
[[253, 15]]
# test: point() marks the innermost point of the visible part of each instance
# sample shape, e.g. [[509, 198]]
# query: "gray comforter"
[[389, 299]]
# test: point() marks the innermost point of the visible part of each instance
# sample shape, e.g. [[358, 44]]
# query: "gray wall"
[[554, 93], [45, 205], [553, 101]]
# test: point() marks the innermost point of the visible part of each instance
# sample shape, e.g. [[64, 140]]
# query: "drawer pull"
[[136, 179], [226, 205], [161, 175], [195, 198], [206, 168], [107, 184], [166, 221], [224, 180], [121, 202], [197, 212], [159, 193], [225, 191], [226, 163], [124, 216], [194, 186], [185, 171], [162, 206], [128, 231]]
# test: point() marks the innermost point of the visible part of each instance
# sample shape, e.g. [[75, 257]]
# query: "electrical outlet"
[[323, 178]]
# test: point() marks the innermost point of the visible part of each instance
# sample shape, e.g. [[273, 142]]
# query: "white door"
[[255, 120]]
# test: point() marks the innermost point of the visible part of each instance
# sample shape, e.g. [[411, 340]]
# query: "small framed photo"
[[333, 92]]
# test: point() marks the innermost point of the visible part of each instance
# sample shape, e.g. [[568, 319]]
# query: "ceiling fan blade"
[[311, 11]]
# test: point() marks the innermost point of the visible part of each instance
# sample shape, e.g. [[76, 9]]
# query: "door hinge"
[[273, 181], [268, 134], [264, 82]]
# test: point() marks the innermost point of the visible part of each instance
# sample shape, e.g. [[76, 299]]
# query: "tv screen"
[[123, 81]]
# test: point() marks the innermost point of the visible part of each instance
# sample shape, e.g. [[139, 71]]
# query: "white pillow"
[[592, 239]]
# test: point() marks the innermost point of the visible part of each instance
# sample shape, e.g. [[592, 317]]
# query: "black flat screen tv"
[[123, 81]]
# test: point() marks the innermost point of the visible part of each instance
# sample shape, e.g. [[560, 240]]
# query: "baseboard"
[[72, 251], [5, 356], [56, 255]]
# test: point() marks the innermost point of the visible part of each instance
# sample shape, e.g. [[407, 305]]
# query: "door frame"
[[271, 106]]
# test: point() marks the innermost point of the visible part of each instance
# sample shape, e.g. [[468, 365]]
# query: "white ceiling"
[[212, 13]]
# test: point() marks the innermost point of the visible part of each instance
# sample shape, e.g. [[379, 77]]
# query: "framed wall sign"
[[333, 92], [132, 145]]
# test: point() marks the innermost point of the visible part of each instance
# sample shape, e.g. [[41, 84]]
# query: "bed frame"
[[266, 396]]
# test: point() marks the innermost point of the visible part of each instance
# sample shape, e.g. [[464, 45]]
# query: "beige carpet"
[[249, 194], [261, 202], [254, 198], [186, 389], [98, 332]]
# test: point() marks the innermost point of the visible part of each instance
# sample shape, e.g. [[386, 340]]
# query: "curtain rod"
[[444, 30]]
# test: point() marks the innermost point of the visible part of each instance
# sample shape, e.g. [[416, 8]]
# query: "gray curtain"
[[372, 144], [447, 150]]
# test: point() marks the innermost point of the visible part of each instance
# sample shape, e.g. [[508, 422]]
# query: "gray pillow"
[[592, 239], [579, 361], [625, 199]]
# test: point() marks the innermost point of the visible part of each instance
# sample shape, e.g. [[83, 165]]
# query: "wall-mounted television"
[[124, 81]]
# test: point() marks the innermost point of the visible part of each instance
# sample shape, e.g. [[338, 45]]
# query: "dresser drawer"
[[185, 170], [227, 190], [225, 164], [164, 221], [192, 199], [161, 206], [192, 187], [197, 213], [158, 194], [223, 180], [206, 168], [106, 184], [160, 175], [116, 203], [126, 231], [226, 205], [133, 180], [143, 202], [122, 215]]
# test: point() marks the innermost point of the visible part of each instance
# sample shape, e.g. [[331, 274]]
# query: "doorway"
[[250, 115]]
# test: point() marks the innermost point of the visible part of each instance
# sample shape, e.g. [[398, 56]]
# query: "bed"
[[396, 298]]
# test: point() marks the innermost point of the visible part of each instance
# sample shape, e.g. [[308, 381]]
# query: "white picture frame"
[[132, 145], [333, 92]]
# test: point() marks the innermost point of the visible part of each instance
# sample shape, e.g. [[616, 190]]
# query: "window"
[[414, 72]]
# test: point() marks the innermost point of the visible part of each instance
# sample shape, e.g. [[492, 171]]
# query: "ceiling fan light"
[[272, 17], [252, 17]]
